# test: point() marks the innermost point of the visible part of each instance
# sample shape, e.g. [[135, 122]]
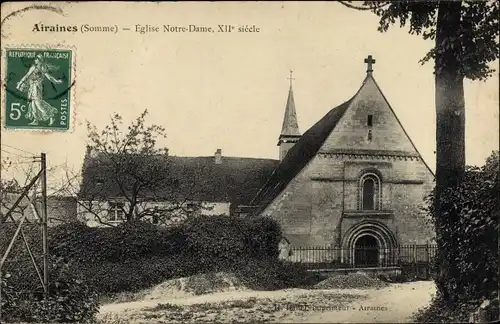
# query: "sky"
[[228, 90]]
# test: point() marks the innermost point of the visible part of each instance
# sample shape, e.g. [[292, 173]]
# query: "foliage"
[[137, 255], [130, 241], [473, 275], [70, 299], [477, 42], [110, 278], [209, 239], [266, 235], [221, 241], [214, 241]]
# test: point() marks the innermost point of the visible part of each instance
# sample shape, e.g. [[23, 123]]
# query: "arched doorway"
[[366, 251], [369, 243]]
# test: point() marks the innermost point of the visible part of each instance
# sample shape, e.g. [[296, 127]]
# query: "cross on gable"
[[370, 61], [291, 78]]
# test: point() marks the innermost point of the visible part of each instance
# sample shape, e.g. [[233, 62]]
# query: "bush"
[[134, 240], [133, 275], [215, 243], [138, 255], [264, 238], [208, 239], [467, 240], [70, 300]]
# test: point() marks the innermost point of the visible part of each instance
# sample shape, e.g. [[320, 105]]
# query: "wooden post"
[[44, 226]]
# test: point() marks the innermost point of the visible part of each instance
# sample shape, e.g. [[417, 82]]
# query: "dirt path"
[[395, 304], [209, 298]]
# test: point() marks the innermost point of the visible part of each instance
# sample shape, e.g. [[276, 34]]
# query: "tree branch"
[[365, 7]]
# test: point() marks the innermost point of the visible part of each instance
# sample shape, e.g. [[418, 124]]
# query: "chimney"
[[218, 156]]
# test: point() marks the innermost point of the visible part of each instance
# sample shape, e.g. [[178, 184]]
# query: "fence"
[[415, 258]]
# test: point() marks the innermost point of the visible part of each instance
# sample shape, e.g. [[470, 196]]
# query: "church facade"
[[354, 179]]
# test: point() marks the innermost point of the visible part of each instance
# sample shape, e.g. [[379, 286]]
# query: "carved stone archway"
[[358, 238]]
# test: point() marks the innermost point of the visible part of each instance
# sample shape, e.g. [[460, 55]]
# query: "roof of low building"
[[234, 179]]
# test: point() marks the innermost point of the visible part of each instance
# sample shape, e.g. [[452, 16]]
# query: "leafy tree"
[[135, 172], [466, 41]]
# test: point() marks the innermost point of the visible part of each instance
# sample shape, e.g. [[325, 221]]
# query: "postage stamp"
[[38, 86]]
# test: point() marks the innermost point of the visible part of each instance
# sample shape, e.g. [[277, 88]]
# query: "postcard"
[[222, 161]]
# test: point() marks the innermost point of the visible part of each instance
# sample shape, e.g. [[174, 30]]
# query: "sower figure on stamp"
[[38, 109]]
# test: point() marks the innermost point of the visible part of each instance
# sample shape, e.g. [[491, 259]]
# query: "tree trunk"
[[450, 127]]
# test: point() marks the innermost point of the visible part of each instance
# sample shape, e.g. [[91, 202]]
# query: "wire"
[[19, 155], [15, 148], [20, 162]]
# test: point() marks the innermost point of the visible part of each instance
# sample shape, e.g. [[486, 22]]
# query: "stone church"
[[353, 179]]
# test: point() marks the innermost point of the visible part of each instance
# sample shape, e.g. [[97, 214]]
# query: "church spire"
[[290, 133], [290, 125]]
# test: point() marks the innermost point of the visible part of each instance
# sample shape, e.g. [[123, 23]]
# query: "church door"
[[366, 252]]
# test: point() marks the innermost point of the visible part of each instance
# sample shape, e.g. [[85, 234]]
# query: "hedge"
[[469, 244], [138, 255]]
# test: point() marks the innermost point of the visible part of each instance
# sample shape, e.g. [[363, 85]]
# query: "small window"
[[116, 211], [370, 120], [370, 189], [368, 194], [369, 135]]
